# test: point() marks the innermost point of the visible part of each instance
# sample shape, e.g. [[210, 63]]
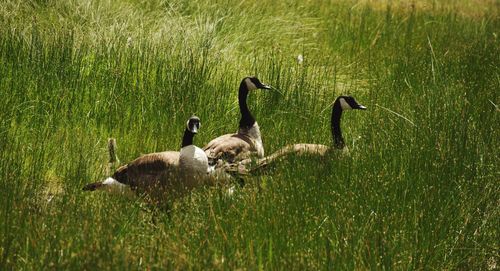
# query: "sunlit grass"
[[418, 191]]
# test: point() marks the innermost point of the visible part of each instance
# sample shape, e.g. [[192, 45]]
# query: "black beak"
[[194, 128], [263, 86], [362, 107]]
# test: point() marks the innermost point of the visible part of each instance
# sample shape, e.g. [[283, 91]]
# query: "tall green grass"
[[419, 190]]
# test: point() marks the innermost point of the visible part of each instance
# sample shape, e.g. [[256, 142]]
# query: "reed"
[[419, 190]]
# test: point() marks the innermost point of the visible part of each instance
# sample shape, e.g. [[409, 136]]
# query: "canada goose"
[[162, 173], [342, 103], [247, 141]]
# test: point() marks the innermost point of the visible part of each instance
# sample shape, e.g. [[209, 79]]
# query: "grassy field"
[[420, 189]]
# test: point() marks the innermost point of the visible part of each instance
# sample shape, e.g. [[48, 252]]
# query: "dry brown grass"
[[467, 8]]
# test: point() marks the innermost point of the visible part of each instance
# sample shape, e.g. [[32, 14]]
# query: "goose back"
[[233, 147]]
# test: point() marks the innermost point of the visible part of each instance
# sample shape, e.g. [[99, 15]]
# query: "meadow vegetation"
[[420, 189]]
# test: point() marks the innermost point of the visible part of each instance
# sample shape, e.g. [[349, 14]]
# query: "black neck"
[[187, 139], [247, 119], [338, 141]]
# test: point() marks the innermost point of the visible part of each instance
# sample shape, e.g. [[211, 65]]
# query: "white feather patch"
[[254, 134], [250, 85], [344, 105], [115, 187], [193, 160]]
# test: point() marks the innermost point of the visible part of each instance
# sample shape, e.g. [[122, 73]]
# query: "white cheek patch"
[[344, 105], [250, 85]]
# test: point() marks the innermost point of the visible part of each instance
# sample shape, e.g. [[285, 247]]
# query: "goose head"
[[253, 83], [193, 124], [248, 84], [342, 103], [349, 103]]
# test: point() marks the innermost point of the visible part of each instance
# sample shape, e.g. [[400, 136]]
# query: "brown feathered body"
[[247, 165], [159, 177], [236, 147]]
